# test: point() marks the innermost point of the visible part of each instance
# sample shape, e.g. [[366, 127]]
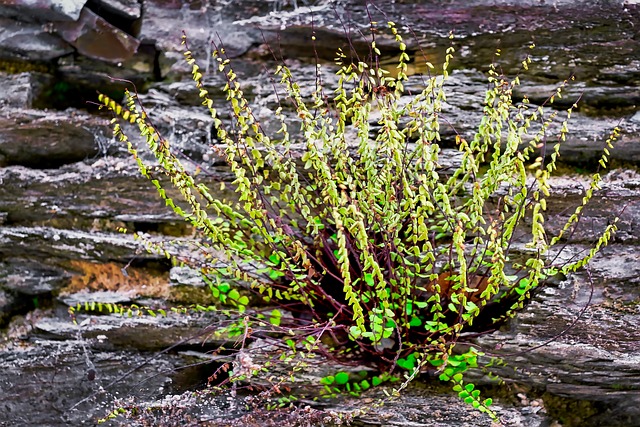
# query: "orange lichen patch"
[[111, 277]]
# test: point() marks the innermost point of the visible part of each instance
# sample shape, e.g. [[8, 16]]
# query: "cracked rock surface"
[[66, 187]]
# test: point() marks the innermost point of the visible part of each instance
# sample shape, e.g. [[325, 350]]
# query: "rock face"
[[95, 38], [67, 187], [42, 10], [45, 144]]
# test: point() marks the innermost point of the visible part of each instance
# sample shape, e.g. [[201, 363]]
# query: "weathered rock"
[[589, 376], [67, 383], [95, 38], [148, 278], [23, 90], [422, 406], [127, 9], [44, 260], [45, 143], [30, 277], [587, 133], [42, 10], [106, 195], [578, 343], [186, 276], [608, 98], [143, 333], [617, 198], [164, 22], [21, 41], [9, 305], [99, 297], [430, 405], [80, 76], [43, 139], [65, 244], [190, 129]]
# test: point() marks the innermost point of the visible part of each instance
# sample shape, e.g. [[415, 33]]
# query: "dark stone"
[[126, 332], [100, 198], [127, 9], [42, 10], [9, 305], [164, 22], [65, 244], [60, 222], [22, 41], [30, 277], [580, 360], [44, 143], [46, 383], [95, 38], [23, 90], [78, 78], [611, 97]]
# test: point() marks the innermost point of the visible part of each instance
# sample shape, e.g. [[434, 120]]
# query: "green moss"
[[16, 67]]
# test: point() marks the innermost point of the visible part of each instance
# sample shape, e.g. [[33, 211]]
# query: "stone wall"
[[66, 185]]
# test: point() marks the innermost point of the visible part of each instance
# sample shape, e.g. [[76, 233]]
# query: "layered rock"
[[67, 187]]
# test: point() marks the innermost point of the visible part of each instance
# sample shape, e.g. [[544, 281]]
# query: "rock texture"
[[67, 187]]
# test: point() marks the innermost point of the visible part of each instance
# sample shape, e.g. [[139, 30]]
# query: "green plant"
[[345, 383], [378, 253]]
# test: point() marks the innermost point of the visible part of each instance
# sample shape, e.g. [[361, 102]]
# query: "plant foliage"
[[346, 220]]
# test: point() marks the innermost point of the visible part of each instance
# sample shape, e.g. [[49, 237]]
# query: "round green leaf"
[[342, 378], [328, 380], [234, 294]]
